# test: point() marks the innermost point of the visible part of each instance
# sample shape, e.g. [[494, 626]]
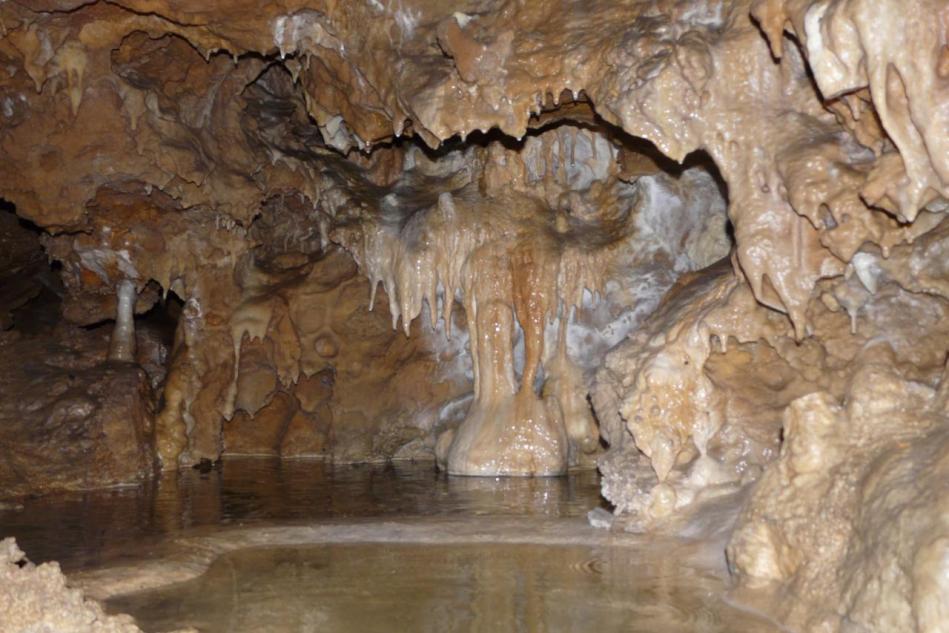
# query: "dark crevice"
[[31, 290]]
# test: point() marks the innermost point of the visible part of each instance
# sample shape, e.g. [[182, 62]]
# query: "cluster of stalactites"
[[452, 251]]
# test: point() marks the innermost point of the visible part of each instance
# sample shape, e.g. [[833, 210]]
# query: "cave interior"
[[664, 279]]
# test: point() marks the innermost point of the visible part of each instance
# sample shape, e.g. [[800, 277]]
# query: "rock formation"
[[36, 598], [699, 243]]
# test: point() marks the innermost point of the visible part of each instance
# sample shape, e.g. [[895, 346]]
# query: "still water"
[[82, 530], [490, 588], [489, 585]]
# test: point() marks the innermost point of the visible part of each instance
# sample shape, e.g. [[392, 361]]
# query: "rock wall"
[[848, 527], [72, 420]]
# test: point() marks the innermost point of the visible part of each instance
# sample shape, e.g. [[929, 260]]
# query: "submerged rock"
[[600, 518]]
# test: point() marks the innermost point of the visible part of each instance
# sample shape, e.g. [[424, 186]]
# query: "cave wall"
[[282, 350], [280, 102]]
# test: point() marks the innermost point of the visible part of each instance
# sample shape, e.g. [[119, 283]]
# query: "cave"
[[484, 315]]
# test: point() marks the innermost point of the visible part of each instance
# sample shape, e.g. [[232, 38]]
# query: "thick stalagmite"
[[508, 430]]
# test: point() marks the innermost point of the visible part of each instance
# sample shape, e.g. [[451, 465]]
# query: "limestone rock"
[[849, 523], [37, 598], [77, 421]]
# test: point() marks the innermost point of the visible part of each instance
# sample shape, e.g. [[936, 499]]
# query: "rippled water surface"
[[82, 530], [491, 588]]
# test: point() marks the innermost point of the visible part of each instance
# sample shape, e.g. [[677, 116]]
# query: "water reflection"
[[390, 587], [93, 528]]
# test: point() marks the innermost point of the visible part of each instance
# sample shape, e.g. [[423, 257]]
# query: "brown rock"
[[308, 434], [77, 422], [261, 433]]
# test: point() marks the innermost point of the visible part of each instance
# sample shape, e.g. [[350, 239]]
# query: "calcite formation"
[[36, 598], [699, 243], [864, 484]]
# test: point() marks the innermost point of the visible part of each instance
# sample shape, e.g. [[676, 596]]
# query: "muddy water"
[[83, 530], [475, 587]]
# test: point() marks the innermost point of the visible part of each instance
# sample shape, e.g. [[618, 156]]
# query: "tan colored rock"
[[313, 391], [37, 598], [262, 432], [309, 434], [510, 177], [848, 527]]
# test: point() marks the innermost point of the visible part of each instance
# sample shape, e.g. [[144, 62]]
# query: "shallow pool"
[[299, 546], [468, 587], [88, 529]]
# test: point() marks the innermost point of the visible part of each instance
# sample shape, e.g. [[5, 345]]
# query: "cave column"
[[530, 288], [122, 345], [508, 430]]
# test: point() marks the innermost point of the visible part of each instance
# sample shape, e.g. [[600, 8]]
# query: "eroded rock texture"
[[36, 598], [73, 420], [864, 484], [444, 230]]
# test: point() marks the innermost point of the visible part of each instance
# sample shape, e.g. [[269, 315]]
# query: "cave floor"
[[265, 545]]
